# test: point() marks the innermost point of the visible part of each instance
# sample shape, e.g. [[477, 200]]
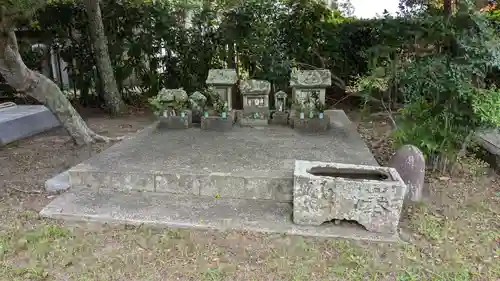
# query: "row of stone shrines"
[[304, 111]]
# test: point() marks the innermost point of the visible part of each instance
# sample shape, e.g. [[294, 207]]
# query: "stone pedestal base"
[[279, 118], [314, 125], [173, 123], [372, 196], [249, 119], [232, 114], [250, 122], [216, 123]]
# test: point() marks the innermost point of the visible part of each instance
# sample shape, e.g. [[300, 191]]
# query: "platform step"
[[184, 211], [235, 186]]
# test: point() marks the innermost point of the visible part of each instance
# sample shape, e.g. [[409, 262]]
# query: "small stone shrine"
[[306, 82], [255, 102], [173, 109], [308, 94], [216, 115], [222, 80], [280, 115]]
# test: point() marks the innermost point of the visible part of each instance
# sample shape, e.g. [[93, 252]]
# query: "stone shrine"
[[217, 116], [173, 109], [308, 94], [223, 80], [281, 114], [306, 82], [255, 102]]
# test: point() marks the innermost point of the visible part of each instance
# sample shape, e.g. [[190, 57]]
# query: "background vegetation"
[[433, 69]]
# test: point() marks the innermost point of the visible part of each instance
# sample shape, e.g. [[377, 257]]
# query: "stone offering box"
[[217, 123], [311, 125], [223, 81], [255, 103], [173, 122], [370, 195]]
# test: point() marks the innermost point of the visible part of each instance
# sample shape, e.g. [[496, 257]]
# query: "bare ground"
[[453, 235]]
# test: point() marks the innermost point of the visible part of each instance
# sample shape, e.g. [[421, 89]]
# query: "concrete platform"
[[243, 163], [23, 121], [184, 211], [239, 180]]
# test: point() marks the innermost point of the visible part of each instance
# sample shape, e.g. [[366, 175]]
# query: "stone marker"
[[409, 161], [372, 196]]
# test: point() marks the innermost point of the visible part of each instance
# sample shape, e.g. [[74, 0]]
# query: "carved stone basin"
[[370, 195]]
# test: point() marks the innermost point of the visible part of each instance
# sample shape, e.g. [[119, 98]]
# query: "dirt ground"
[[452, 235]]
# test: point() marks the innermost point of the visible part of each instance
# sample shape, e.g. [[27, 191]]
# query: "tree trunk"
[[447, 7], [38, 86], [111, 94]]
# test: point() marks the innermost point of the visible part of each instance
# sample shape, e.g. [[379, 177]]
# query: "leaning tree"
[[24, 80]]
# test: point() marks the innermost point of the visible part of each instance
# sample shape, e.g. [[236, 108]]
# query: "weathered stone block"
[[256, 117], [311, 125], [226, 77], [372, 196], [251, 122], [279, 118], [216, 123], [489, 140], [174, 122], [409, 161], [21, 121]]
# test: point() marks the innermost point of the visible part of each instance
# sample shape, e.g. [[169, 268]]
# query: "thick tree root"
[[100, 138]]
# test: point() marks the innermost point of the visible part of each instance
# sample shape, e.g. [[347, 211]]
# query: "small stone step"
[[185, 211]]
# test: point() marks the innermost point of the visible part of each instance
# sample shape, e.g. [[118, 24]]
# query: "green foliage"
[[149, 40], [215, 100], [442, 83], [174, 100], [20, 9]]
